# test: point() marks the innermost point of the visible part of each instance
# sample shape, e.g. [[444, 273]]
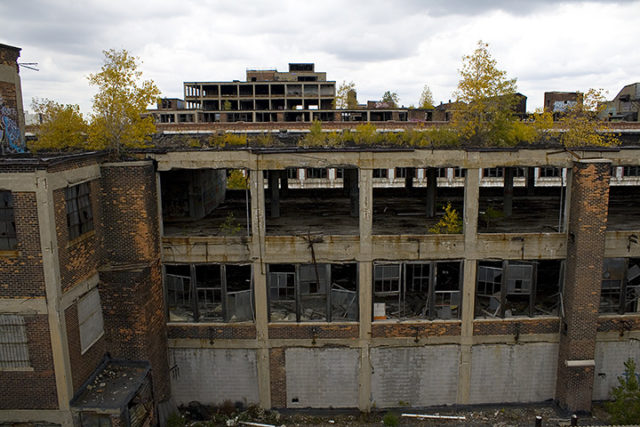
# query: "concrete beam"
[[29, 416], [257, 248], [23, 305], [79, 289], [53, 287]]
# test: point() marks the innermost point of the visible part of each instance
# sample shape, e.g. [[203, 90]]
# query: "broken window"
[[492, 172], [316, 173], [79, 213], [14, 347], [620, 285], [312, 292], [417, 290], [549, 172], [459, 172], [518, 288], [380, 173], [222, 293], [8, 241], [631, 171]]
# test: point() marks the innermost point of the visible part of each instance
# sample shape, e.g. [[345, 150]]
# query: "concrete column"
[[257, 248], [581, 294], [53, 288], [470, 215], [353, 191], [531, 181], [432, 188], [567, 201], [408, 181], [508, 191], [284, 182], [365, 284], [274, 191]]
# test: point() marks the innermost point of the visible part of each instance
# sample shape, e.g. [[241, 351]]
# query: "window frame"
[[79, 210], [20, 340], [8, 233]]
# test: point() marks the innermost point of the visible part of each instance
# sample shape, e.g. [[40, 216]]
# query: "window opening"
[[79, 213], [312, 292], [8, 240], [222, 293], [14, 347], [417, 290]]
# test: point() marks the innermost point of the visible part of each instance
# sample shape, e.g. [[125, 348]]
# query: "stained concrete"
[[322, 378], [414, 376], [513, 373], [212, 376]]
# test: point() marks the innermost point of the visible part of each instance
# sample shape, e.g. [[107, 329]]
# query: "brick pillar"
[[585, 254], [11, 110], [131, 280]]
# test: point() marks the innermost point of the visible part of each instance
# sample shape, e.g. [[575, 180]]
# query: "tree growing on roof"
[[62, 127], [486, 97], [391, 98], [580, 124], [346, 96], [426, 98], [118, 108]]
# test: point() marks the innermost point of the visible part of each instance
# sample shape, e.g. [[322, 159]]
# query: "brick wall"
[[22, 275], [130, 214], [82, 365], [278, 378], [9, 56], [212, 332], [516, 327], [32, 389], [585, 254], [302, 331], [420, 330], [133, 302], [80, 257], [620, 324]]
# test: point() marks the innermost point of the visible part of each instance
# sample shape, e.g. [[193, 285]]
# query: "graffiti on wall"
[[10, 138]]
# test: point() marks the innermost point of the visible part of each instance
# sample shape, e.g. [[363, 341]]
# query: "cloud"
[[380, 45]]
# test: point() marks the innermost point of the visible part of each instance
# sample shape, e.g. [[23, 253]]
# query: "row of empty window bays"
[[401, 290], [259, 90]]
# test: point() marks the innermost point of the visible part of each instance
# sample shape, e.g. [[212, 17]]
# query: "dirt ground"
[[473, 416]]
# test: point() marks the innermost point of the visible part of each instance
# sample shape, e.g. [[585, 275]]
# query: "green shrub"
[[391, 419], [625, 407]]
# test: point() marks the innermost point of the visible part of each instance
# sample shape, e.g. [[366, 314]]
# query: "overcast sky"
[[378, 44]]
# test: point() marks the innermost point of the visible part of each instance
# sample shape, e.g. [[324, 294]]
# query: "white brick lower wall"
[[212, 376], [322, 378], [415, 376], [513, 373], [610, 358]]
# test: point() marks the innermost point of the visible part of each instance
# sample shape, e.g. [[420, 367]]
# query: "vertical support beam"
[[53, 287], [284, 182], [531, 180], [508, 191], [408, 181], [432, 186], [581, 293], [256, 184], [365, 280], [470, 229], [274, 191], [567, 201], [353, 191]]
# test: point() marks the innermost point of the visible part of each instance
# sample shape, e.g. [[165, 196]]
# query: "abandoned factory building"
[[296, 278]]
